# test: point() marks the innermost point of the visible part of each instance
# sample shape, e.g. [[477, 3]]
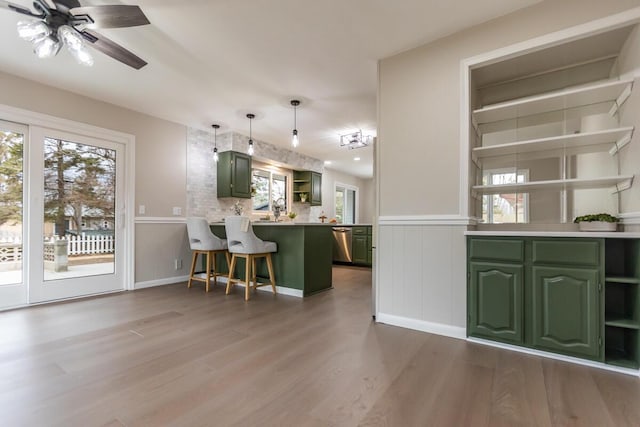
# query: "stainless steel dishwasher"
[[342, 244]]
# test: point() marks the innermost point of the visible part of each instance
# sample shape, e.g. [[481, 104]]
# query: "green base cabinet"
[[565, 310], [361, 245], [541, 293], [234, 175], [496, 295]]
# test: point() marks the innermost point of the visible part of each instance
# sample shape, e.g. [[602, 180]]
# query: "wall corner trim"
[[423, 326], [426, 220], [630, 218]]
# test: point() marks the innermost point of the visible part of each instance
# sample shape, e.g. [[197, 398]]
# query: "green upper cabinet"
[[565, 310], [234, 175], [496, 308], [310, 184]]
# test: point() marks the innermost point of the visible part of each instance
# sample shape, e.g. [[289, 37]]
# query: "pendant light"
[[294, 141], [250, 150], [215, 142]]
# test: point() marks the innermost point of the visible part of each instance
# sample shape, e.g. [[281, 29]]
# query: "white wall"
[[419, 162], [365, 194]]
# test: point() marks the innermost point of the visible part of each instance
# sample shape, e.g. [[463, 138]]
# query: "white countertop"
[[587, 234]]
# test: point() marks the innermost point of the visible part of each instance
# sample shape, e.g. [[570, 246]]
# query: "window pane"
[[260, 198], [11, 171], [279, 190], [340, 205]]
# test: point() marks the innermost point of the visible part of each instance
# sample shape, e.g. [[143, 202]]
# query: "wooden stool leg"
[[247, 275], [208, 272], [254, 276], [230, 279], [272, 276], [215, 268], [194, 260]]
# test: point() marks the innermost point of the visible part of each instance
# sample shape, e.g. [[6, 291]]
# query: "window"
[[345, 203], [505, 208], [269, 187]]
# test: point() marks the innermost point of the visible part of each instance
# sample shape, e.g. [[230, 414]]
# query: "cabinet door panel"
[[565, 310], [496, 301], [241, 176], [316, 189], [360, 249]]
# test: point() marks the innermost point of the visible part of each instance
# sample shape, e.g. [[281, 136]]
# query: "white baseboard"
[[555, 356], [281, 290], [160, 282], [423, 326]]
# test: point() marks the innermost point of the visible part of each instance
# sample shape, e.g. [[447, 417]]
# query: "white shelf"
[[617, 137], [617, 184], [617, 91]]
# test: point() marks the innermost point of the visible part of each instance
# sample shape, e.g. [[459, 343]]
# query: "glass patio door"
[[75, 215], [13, 291]]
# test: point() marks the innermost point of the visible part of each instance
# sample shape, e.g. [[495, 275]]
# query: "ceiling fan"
[[67, 22]]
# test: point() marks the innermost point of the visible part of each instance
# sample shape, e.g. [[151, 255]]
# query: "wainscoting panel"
[[422, 277]]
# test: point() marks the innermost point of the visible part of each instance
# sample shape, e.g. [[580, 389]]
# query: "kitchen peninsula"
[[303, 262]]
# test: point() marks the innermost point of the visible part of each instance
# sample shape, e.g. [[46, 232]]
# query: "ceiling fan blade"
[[19, 9], [113, 49], [113, 16]]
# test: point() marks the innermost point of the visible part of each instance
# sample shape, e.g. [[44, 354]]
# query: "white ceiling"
[[213, 61]]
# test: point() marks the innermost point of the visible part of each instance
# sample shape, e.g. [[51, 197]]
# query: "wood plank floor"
[[172, 356]]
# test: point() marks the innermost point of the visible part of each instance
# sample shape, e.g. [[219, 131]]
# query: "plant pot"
[[597, 226]]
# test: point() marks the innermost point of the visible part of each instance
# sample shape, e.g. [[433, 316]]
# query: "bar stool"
[[203, 242], [243, 243]]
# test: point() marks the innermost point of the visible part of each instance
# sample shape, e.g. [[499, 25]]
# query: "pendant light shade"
[[250, 150], [295, 141], [215, 142]]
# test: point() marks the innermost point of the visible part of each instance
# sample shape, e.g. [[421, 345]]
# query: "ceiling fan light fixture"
[[75, 45], [46, 47], [32, 30]]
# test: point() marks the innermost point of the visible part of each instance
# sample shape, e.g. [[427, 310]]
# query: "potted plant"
[[597, 222], [292, 215], [303, 197]]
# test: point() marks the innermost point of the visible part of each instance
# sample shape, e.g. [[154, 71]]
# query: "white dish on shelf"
[[597, 226]]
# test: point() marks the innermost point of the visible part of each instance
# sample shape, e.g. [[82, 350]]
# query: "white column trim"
[[423, 326]]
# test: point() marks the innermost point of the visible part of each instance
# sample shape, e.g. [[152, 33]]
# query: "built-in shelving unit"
[[617, 183], [611, 140], [617, 91]]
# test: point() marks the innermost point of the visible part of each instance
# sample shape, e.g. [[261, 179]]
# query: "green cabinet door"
[[316, 189], [360, 249], [565, 311], [234, 175], [496, 301]]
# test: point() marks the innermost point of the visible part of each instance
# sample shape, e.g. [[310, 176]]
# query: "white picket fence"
[[90, 244], [11, 248]]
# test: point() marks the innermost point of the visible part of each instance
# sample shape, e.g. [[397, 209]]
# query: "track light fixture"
[[215, 142], [294, 141], [250, 150]]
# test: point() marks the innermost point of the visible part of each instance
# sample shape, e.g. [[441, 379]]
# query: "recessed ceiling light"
[[357, 159], [327, 162]]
